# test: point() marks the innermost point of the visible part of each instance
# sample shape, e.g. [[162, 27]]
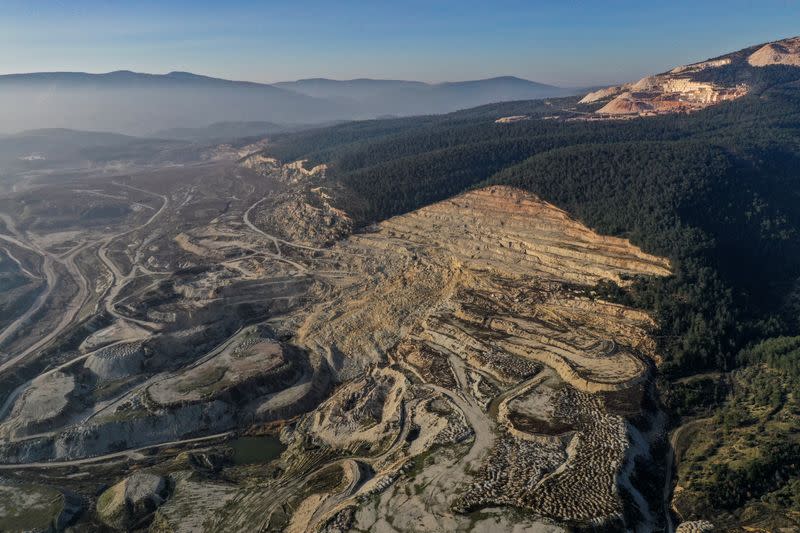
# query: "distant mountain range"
[[398, 97], [142, 104]]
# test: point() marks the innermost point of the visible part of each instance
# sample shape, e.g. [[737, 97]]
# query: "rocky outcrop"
[[301, 213], [260, 163], [306, 218], [41, 405], [290, 173], [693, 87], [117, 361], [512, 119], [130, 502], [786, 52], [697, 67], [365, 410], [601, 94]]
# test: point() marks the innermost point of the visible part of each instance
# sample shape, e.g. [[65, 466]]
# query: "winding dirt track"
[[276, 241], [19, 264], [672, 469], [78, 301], [73, 307], [133, 454], [120, 279], [49, 276], [484, 436]]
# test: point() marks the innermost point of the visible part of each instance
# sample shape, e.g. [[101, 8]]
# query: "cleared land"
[[435, 371]]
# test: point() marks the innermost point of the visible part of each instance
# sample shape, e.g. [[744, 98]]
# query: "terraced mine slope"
[[483, 310], [452, 368]]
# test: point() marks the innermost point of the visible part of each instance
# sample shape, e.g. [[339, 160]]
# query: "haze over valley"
[[146, 104]]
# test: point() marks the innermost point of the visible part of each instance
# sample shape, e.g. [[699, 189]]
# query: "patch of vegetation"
[[746, 458], [420, 461], [325, 480], [538, 426], [782, 353], [109, 389], [29, 507], [203, 379], [696, 396], [124, 415]]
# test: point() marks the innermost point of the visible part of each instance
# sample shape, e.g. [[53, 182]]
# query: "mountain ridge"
[[695, 86], [137, 103], [408, 97]]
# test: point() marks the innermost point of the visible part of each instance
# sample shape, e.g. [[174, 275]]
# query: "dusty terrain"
[[454, 368], [693, 87], [786, 52]]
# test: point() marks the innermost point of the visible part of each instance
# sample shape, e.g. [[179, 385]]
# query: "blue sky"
[[565, 42]]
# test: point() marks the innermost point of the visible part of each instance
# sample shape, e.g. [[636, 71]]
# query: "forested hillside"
[[717, 191]]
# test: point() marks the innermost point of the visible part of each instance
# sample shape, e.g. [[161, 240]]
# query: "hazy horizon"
[[279, 82], [277, 41]]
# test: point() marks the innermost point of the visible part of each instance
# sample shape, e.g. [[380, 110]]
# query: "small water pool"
[[252, 450]]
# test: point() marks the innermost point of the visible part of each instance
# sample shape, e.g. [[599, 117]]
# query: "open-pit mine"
[[690, 88], [213, 347]]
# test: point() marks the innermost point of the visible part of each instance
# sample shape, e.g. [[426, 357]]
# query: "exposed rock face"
[[291, 173], [697, 67], [786, 52], [366, 410], [40, 406], [512, 119], [601, 94], [128, 503], [260, 163], [303, 213], [505, 229], [692, 87], [667, 94], [307, 218]]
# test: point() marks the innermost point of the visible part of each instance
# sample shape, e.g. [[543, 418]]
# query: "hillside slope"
[[699, 85], [716, 191]]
